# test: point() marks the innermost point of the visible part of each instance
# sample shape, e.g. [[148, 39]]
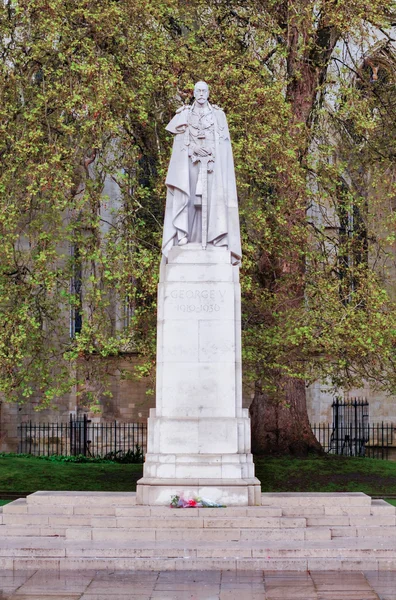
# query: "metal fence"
[[81, 436], [353, 413], [373, 440]]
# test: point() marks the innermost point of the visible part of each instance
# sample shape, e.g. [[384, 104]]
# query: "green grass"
[[327, 474], [32, 474], [3, 502], [391, 501], [323, 474]]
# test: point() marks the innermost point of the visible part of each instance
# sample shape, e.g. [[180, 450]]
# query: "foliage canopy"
[[85, 92]]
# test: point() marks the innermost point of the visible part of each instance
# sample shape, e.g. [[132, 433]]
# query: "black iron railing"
[[353, 414], [81, 436], [373, 440]]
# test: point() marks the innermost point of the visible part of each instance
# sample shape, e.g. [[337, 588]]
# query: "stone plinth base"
[[199, 435], [199, 466], [231, 492]]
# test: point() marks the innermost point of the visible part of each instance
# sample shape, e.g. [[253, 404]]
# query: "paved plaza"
[[197, 585]]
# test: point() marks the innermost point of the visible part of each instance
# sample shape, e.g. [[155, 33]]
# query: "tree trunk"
[[280, 425]]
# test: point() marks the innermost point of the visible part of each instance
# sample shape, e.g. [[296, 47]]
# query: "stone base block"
[[231, 492], [198, 466]]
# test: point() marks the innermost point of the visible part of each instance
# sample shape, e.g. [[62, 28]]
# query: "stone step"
[[372, 521], [193, 535], [45, 520], [377, 508], [67, 530], [307, 499], [83, 498], [380, 507], [211, 522], [170, 522], [67, 547], [230, 511], [349, 532], [327, 511], [199, 564], [286, 499], [210, 534], [198, 522], [31, 530], [15, 507], [21, 506], [366, 552]]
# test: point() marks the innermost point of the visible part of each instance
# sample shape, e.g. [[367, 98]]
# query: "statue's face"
[[201, 92]]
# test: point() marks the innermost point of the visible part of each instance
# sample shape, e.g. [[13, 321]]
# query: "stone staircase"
[[103, 530]]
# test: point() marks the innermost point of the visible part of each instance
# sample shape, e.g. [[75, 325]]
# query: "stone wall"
[[382, 407], [129, 404]]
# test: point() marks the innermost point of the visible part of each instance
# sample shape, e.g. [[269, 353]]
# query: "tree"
[[85, 94], [310, 33]]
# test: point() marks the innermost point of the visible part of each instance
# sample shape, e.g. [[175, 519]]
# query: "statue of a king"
[[201, 203]]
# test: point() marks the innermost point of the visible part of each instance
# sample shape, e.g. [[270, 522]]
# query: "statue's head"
[[201, 92]]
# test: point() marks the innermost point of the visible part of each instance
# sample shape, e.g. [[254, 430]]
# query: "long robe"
[[223, 218]]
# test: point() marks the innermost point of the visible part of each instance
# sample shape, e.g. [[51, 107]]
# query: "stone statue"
[[198, 440], [201, 203]]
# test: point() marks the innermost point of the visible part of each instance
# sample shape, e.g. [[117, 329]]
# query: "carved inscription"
[[197, 308], [206, 300]]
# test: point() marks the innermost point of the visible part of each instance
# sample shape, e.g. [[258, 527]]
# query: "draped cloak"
[[223, 218]]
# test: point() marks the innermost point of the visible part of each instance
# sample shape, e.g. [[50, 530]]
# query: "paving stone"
[[363, 595], [194, 576], [243, 593], [116, 596], [238, 585], [186, 595], [250, 576], [50, 583], [42, 596], [296, 591], [188, 586]]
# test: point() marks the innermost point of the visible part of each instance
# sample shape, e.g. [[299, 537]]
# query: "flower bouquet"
[[196, 502]]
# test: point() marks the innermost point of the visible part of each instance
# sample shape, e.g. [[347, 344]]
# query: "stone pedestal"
[[198, 434]]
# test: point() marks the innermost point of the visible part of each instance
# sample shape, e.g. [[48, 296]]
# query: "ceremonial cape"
[[223, 218]]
